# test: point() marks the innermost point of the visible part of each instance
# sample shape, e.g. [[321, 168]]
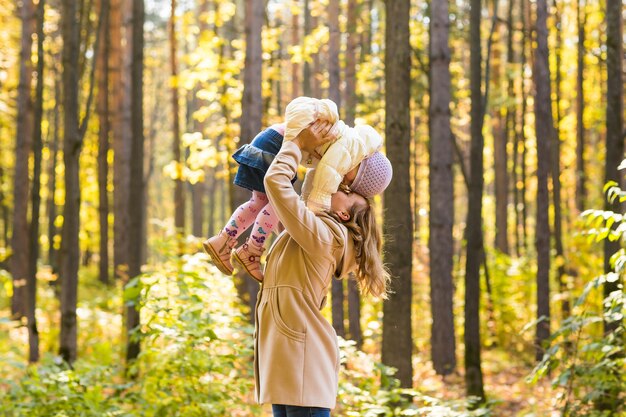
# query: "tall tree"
[[544, 131], [71, 153], [121, 139], [102, 108], [510, 109], [354, 302], [614, 125], [52, 178], [473, 371], [581, 21], [306, 68], [295, 40], [136, 199], [397, 342], [334, 93], [33, 253], [555, 164], [19, 237], [252, 103], [500, 143], [441, 190], [179, 198]]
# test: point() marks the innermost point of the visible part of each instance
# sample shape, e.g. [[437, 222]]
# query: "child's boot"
[[219, 248], [248, 256]]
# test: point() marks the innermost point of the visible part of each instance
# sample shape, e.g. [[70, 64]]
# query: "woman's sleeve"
[[302, 224]]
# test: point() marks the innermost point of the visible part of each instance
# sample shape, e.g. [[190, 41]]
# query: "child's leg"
[[265, 223], [245, 214]]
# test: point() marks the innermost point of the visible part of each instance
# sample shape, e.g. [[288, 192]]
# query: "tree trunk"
[[614, 128], [544, 130], [19, 239], [334, 46], [473, 372], [317, 67], [102, 108], [581, 20], [179, 197], [252, 106], [354, 302], [33, 334], [441, 190], [500, 143], [52, 176], [136, 199], [520, 142], [295, 40], [121, 139], [510, 110], [306, 70], [555, 154], [354, 313], [334, 93], [397, 341], [4, 209], [71, 153]]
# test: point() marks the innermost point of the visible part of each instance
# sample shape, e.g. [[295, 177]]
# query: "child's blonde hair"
[[372, 275]]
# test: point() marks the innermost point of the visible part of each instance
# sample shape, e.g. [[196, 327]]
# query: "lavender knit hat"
[[373, 176]]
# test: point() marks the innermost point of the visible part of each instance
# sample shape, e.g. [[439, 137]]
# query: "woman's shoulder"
[[339, 231]]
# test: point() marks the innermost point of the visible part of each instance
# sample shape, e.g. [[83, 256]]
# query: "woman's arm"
[[302, 224]]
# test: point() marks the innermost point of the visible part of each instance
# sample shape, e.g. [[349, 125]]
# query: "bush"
[[589, 367]]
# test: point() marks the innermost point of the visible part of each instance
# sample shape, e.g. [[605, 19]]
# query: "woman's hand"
[[315, 135]]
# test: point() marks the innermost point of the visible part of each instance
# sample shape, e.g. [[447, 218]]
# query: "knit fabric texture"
[[373, 176]]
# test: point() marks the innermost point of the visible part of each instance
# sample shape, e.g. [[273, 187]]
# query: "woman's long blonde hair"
[[371, 275]]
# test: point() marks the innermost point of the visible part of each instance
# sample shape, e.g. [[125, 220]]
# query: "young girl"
[[296, 355], [346, 159]]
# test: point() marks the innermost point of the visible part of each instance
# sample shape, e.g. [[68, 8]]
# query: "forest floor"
[[505, 384]]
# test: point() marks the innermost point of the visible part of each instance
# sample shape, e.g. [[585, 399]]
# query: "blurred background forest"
[[504, 120]]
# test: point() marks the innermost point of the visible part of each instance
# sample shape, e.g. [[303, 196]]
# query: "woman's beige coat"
[[296, 353]]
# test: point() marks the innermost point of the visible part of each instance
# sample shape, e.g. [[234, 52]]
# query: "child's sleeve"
[[302, 111], [342, 156]]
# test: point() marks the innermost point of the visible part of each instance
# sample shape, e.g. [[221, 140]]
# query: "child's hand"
[[315, 135]]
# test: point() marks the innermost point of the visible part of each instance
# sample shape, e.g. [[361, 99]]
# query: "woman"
[[296, 351]]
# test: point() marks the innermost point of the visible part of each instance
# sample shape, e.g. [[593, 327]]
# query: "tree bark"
[[334, 93], [71, 153], [555, 154], [251, 107], [317, 67], [581, 20], [295, 40], [24, 133], [179, 197], [136, 199], [441, 190], [614, 128], [500, 142], [473, 371], [334, 46], [397, 341], [102, 108], [544, 130], [52, 177], [354, 302], [121, 139], [354, 313], [306, 68], [33, 333]]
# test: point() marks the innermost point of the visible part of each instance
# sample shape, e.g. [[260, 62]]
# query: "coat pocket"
[[279, 321]]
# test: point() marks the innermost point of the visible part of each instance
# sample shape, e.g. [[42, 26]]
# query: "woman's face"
[[341, 203]]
